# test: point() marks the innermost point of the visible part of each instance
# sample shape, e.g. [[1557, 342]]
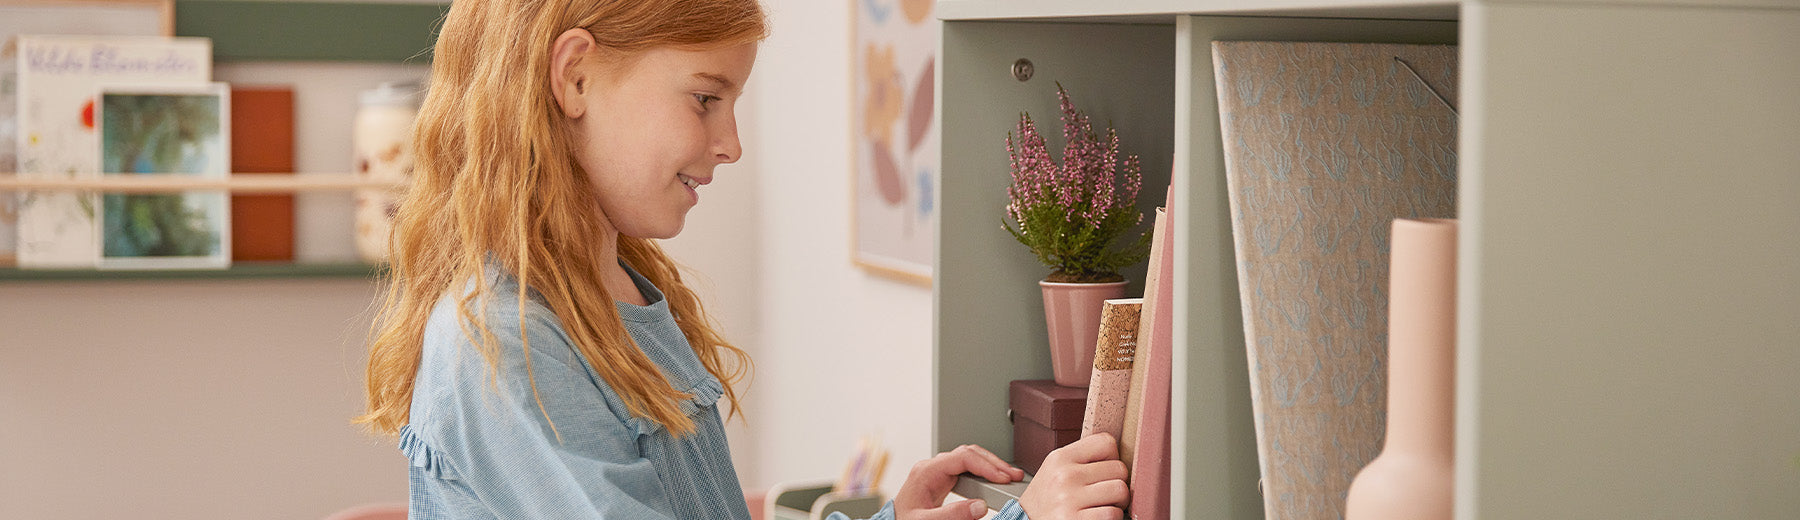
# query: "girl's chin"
[[660, 231]]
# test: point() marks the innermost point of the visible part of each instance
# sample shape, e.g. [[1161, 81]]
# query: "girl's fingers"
[[932, 478], [961, 510], [1101, 513], [983, 463], [1105, 493], [1082, 481], [1092, 448], [1006, 473], [1106, 470]]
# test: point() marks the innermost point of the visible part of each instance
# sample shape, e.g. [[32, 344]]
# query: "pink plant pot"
[[1072, 316]]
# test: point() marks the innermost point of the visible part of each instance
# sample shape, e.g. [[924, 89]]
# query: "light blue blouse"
[[481, 447]]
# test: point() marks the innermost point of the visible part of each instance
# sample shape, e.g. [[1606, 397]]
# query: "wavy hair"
[[495, 177]]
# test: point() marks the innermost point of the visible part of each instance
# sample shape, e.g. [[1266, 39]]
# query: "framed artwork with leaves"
[[894, 138], [165, 131]]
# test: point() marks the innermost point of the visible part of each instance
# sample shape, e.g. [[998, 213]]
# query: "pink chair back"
[[371, 512]]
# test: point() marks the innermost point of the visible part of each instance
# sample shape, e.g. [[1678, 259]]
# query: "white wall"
[[721, 247], [840, 353]]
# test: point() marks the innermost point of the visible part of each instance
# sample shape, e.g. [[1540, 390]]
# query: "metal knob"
[[1023, 69]]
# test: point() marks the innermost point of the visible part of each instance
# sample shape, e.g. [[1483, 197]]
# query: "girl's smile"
[[693, 185]]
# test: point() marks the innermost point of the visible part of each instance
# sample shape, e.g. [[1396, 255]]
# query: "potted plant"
[[1070, 213]]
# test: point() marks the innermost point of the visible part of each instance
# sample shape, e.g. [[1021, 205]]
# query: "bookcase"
[[1629, 273]]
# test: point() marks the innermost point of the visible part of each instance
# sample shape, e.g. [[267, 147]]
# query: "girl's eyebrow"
[[724, 83]]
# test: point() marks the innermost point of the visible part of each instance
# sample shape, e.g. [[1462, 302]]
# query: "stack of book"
[[1128, 394]]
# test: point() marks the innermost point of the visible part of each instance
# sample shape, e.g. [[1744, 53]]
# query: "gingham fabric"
[[482, 448]]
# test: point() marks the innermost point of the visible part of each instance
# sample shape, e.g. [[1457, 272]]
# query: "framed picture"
[[165, 131], [894, 152], [72, 17]]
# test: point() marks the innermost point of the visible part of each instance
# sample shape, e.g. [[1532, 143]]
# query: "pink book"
[[1111, 382], [1150, 476]]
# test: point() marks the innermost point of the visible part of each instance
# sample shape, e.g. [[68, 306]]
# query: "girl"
[[538, 355]]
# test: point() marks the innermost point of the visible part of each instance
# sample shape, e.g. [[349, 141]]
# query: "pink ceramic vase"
[[1072, 313], [1411, 479]]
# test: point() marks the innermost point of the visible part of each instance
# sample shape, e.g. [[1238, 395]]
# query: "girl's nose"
[[726, 148]]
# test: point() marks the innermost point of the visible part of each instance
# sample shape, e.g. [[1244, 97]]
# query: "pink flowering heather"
[[1070, 213]]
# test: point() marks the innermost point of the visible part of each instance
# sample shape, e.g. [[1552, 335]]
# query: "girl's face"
[[653, 131]]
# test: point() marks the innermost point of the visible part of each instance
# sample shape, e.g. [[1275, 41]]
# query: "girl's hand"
[[922, 496], [1081, 481]]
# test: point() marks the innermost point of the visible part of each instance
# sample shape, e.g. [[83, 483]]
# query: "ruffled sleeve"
[[550, 450], [706, 392], [543, 436], [420, 455], [656, 333]]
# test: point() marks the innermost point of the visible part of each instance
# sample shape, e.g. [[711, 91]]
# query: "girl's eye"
[[705, 100]]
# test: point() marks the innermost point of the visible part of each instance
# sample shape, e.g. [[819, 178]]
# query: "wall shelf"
[[236, 183], [237, 271], [269, 31]]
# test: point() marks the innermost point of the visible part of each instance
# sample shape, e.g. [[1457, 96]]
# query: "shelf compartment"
[[989, 307], [1216, 473]]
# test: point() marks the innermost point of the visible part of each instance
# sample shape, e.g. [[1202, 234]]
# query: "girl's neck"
[[618, 283]]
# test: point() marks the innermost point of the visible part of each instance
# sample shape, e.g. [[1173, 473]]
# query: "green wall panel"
[[250, 30]]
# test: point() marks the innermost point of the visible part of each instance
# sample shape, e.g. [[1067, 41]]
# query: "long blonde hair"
[[494, 173]]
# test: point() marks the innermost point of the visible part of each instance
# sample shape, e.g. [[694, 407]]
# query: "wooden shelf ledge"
[[239, 183], [237, 271]]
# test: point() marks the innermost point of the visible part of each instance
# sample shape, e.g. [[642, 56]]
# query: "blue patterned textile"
[[482, 448]]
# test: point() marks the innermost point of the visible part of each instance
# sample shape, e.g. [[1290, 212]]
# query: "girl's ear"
[[568, 81]]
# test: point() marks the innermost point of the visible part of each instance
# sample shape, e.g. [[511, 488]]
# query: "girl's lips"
[[693, 187], [692, 182]]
